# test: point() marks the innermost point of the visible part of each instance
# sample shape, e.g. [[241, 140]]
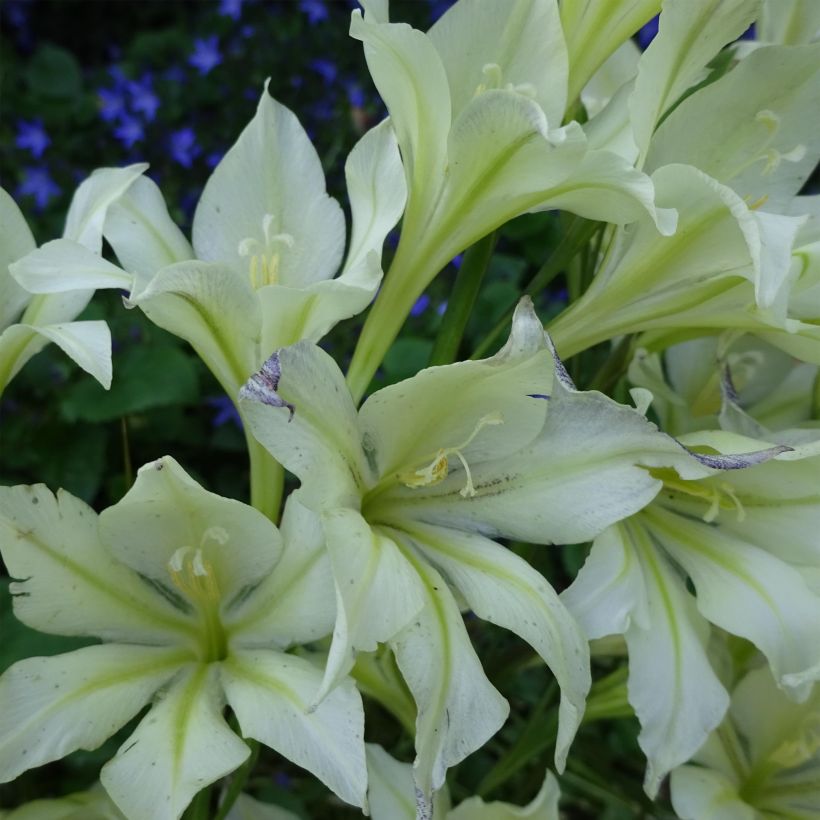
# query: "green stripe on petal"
[[50, 707], [271, 694], [182, 745], [70, 583]]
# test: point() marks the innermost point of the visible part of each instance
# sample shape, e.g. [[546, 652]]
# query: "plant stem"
[[238, 781], [200, 806], [460, 305], [267, 478]]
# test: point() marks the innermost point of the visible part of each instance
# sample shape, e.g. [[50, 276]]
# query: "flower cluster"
[[692, 253]]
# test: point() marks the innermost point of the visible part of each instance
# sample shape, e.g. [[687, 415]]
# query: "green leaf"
[[53, 72]]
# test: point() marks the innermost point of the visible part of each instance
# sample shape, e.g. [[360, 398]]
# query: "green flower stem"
[[377, 676], [238, 781], [403, 284], [608, 697], [580, 231], [200, 807], [460, 305], [267, 479]]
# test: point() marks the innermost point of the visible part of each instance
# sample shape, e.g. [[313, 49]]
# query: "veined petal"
[[16, 241], [265, 200], [594, 29], [690, 33], [270, 694], [704, 794], [181, 746], [88, 344], [166, 511], [405, 425], [748, 592], [764, 144], [141, 232], [50, 707], [65, 265], [504, 589], [295, 603], [70, 584], [300, 409], [517, 44], [458, 708], [91, 200], [672, 686], [791, 23], [214, 310], [410, 77], [377, 590]]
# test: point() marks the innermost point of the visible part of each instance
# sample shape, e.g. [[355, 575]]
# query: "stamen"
[[263, 265], [438, 469]]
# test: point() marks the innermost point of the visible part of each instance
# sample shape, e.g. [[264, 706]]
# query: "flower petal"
[[50, 707], [270, 694], [544, 806], [300, 409], [166, 510], [522, 38], [141, 232], [458, 707], [270, 185], [214, 310], [91, 200], [16, 241], [704, 794], [377, 591], [504, 589], [295, 603], [70, 583], [182, 745]]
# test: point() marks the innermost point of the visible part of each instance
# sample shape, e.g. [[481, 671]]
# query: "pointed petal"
[[300, 409], [503, 589], [748, 592], [458, 708], [141, 232], [271, 184], [70, 584], [523, 38], [181, 746], [214, 310], [690, 34], [88, 344], [411, 79], [396, 421], [770, 111], [295, 603], [672, 686], [15, 242], [50, 707], [270, 694], [86, 214], [64, 265], [377, 591], [166, 510]]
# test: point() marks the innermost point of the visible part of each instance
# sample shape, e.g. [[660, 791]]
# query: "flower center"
[[719, 495], [769, 156], [264, 257], [437, 470], [193, 575], [494, 79]]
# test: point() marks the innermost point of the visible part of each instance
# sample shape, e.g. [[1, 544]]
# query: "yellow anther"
[[794, 752], [438, 469], [719, 495], [759, 202], [264, 257], [192, 574]]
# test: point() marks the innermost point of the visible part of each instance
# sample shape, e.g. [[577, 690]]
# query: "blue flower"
[[231, 8], [111, 103], [205, 56], [183, 146], [143, 99], [355, 95], [129, 131], [225, 411], [316, 10], [457, 260], [438, 7], [38, 183], [422, 303], [32, 137], [325, 68], [647, 34]]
